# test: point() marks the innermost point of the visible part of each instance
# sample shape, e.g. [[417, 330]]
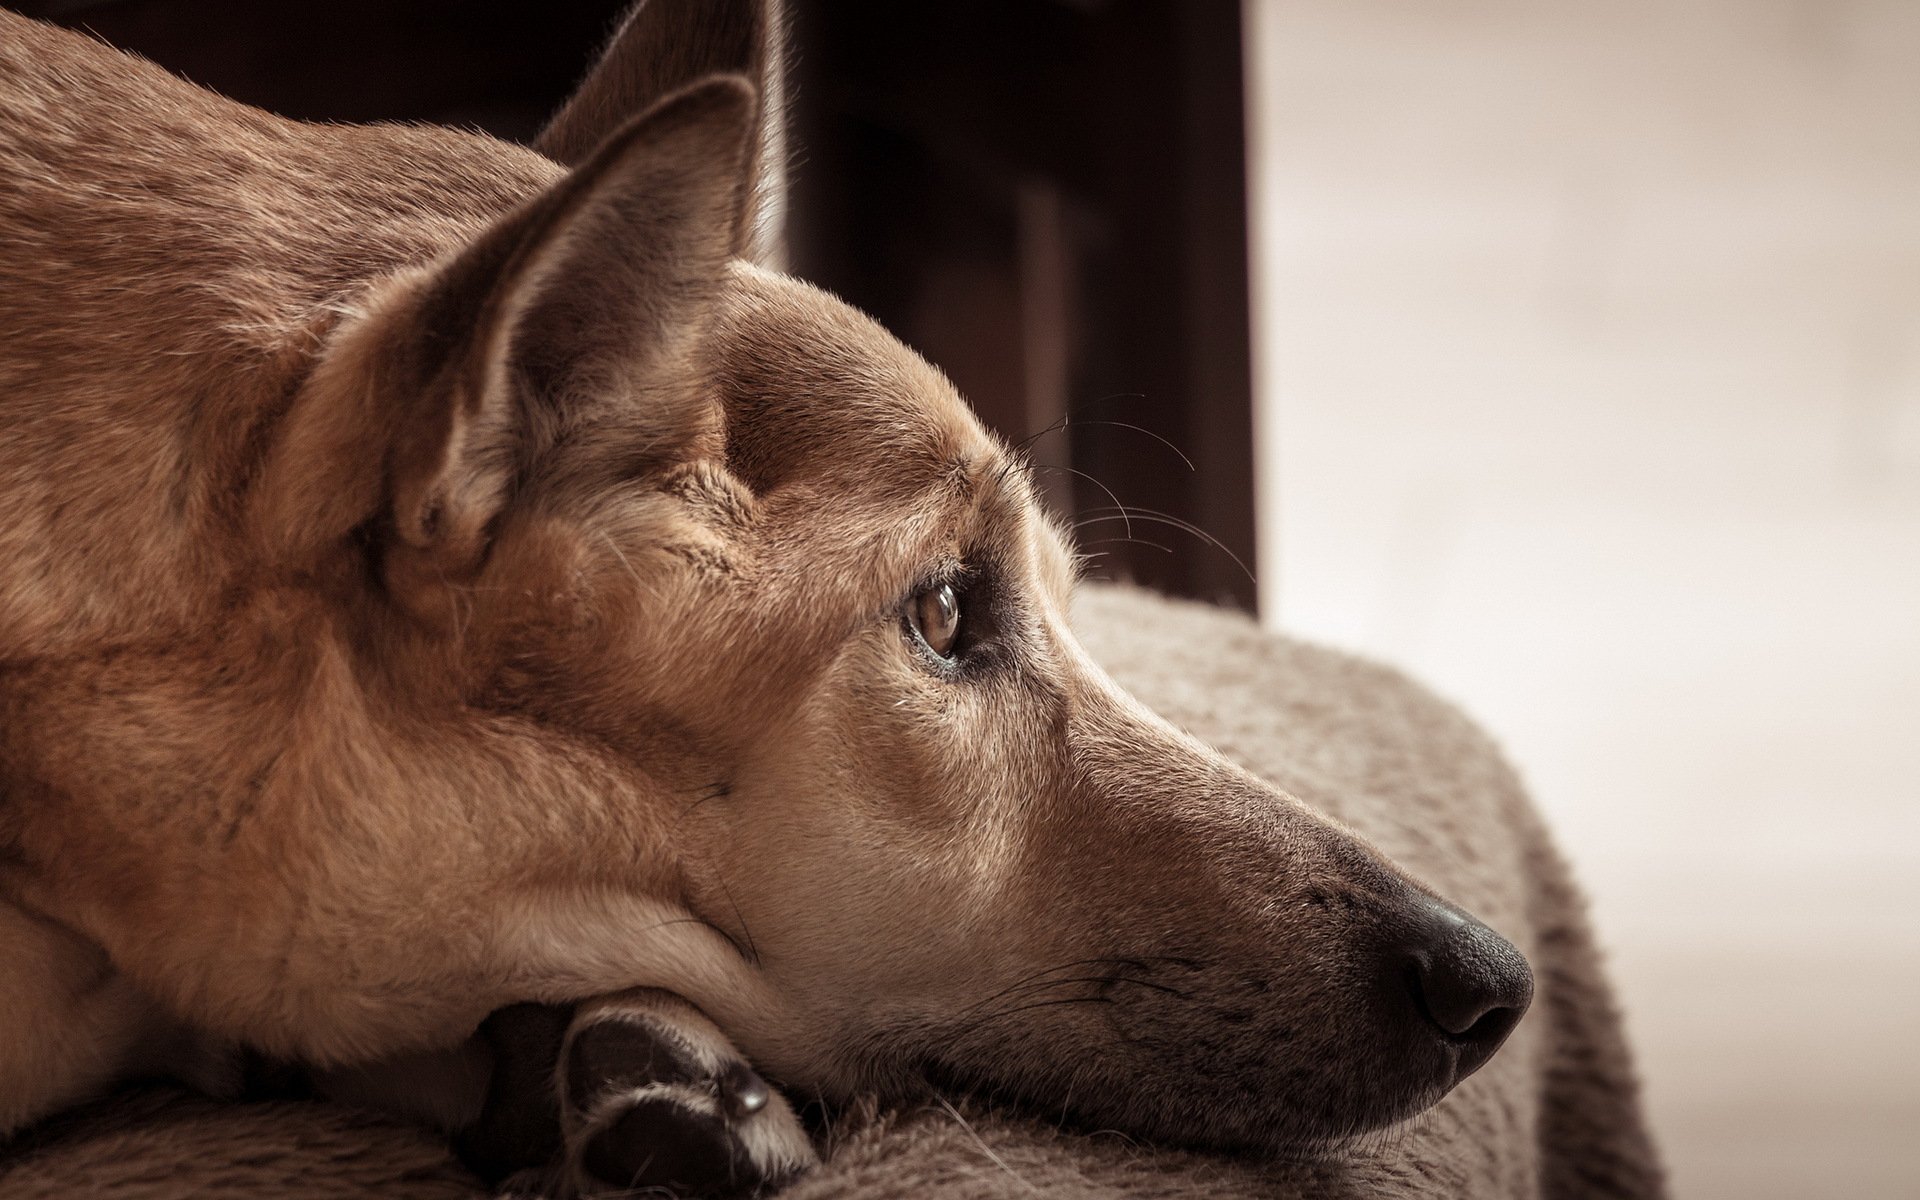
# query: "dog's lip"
[[946, 1079]]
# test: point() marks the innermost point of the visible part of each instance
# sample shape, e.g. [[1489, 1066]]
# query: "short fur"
[[1554, 1115], [439, 580]]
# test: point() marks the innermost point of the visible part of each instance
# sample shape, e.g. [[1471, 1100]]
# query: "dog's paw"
[[654, 1096]]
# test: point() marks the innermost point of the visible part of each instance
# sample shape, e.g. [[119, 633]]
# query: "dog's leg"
[[72, 1020], [74, 1026], [515, 1141], [636, 1090]]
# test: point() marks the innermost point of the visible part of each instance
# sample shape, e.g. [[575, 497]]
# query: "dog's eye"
[[934, 613]]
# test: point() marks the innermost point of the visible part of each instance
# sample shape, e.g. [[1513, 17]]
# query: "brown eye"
[[935, 615]]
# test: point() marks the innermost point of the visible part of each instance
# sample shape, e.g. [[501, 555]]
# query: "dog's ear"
[[661, 46], [426, 410]]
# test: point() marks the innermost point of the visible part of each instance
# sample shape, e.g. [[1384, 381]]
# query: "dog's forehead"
[[814, 388]]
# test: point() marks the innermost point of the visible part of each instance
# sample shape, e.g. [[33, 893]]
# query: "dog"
[[443, 578]]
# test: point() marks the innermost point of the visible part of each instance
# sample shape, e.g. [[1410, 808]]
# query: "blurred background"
[[1565, 354], [1589, 345]]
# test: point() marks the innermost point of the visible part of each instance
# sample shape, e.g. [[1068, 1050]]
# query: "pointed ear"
[[433, 404], [661, 46]]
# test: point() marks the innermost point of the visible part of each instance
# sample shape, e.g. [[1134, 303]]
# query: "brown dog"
[[436, 579]]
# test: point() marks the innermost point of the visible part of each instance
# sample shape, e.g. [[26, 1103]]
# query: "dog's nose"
[[1469, 983]]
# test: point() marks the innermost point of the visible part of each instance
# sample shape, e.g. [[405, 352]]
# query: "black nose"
[[1467, 981]]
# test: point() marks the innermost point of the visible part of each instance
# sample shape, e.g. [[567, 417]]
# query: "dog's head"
[[721, 531], [638, 616]]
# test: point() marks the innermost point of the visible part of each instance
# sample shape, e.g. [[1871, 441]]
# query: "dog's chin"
[[1207, 1120]]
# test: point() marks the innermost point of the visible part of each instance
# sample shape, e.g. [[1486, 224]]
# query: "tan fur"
[[438, 580], [88, 1022], [1554, 1115]]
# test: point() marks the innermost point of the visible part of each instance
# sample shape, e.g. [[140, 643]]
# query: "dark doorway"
[[1046, 197]]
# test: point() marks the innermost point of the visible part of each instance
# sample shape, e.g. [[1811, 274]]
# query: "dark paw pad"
[[659, 1100], [671, 1140], [622, 1053]]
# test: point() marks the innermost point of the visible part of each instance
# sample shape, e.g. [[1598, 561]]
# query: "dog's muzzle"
[[1464, 983]]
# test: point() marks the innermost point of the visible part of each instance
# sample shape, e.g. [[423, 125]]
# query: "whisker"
[[975, 1025], [982, 1143], [1134, 541], [615, 547], [1041, 985], [1164, 519], [1021, 445], [1150, 433], [1149, 985], [1066, 418], [753, 952], [723, 788], [1066, 1105], [1035, 976], [1095, 482]]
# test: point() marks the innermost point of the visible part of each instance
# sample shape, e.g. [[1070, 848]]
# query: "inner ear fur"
[[428, 410], [661, 46]]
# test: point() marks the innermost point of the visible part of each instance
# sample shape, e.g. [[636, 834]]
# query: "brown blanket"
[[1554, 1114]]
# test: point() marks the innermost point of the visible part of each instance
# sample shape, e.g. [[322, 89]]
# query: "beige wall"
[[1590, 375]]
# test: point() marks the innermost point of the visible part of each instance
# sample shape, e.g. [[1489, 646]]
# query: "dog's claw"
[[744, 1091]]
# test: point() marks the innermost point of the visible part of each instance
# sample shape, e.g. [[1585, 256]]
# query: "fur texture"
[[1555, 1115], [440, 580]]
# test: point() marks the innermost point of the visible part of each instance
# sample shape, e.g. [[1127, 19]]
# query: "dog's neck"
[[286, 733], [168, 315]]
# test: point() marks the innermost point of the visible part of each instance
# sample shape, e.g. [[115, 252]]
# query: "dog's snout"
[[1468, 982]]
